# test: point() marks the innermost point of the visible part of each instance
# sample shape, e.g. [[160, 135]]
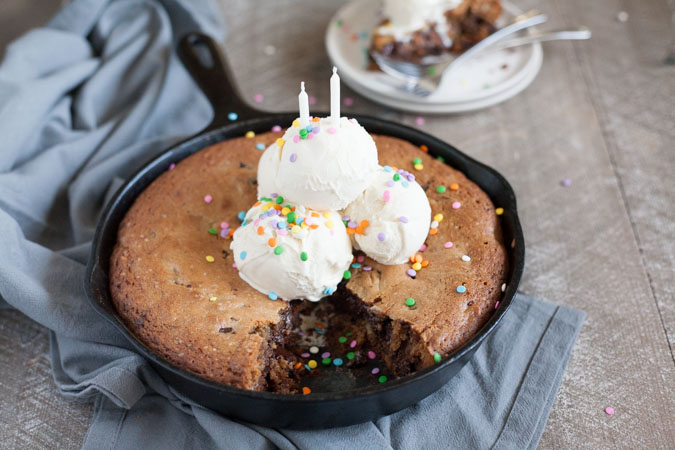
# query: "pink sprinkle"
[[208, 198], [367, 268], [332, 130], [305, 355], [310, 136], [360, 258], [325, 355], [258, 98], [456, 205], [448, 244], [234, 265], [419, 120], [609, 410], [256, 222], [276, 128], [282, 232], [371, 354], [375, 371], [386, 196], [497, 304], [296, 138], [423, 247], [312, 100], [353, 121], [352, 344], [224, 225], [348, 101], [172, 166]]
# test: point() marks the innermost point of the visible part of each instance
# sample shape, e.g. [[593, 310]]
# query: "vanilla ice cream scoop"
[[397, 213], [406, 16], [323, 166], [289, 252]]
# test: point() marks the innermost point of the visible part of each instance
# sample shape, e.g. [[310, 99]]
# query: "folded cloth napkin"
[[83, 102]]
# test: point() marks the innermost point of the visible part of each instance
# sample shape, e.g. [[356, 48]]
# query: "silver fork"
[[423, 78]]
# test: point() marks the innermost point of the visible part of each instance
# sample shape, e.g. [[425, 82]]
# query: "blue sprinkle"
[[461, 289], [272, 295], [405, 183], [298, 220], [307, 367], [319, 330], [260, 146], [244, 223], [233, 116], [388, 169], [242, 255], [364, 35], [337, 362], [356, 265], [241, 215], [281, 225], [309, 127]]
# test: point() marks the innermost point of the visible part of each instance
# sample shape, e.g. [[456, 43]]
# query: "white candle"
[[335, 96], [303, 101]]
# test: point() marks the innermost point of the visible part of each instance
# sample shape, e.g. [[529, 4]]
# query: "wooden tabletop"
[[600, 113]]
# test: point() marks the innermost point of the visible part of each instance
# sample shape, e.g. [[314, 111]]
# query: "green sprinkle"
[[212, 231], [382, 379], [280, 200], [410, 301], [397, 177], [417, 161], [278, 250], [303, 256], [441, 159], [342, 339], [338, 22], [326, 361], [440, 189], [437, 357], [348, 334], [431, 71], [350, 355], [290, 217], [303, 132], [265, 199], [347, 275]]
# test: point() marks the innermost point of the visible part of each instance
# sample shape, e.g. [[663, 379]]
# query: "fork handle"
[[573, 34]]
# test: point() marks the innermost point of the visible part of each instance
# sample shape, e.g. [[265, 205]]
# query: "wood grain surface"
[[600, 113]]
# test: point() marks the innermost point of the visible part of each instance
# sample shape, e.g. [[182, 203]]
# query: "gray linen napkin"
[[83, 102]]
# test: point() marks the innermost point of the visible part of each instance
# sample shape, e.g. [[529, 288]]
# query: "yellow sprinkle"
[[213, 299], [438, 217], [312, 364], [285, 211], [265, 207], [296, 123], [304, 225], [210, 258], [326, 214], [329, 224], [280, 142], [295, 229], [418, 166], [417, 266], [499, 211], [249, 134]]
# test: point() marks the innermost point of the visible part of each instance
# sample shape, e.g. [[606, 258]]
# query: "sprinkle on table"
[[371, 354], [306, 390], [419, 166], [566, 182], [437, 357], [260, 146], [448, 244], [440, 189], [424, 148], [314, 349], [208, 198], [272, 295], [337, 362], [466, 258], [461, 289], [438, 217], [342, 339], [456, 205], [350, 356], [232, 116], [454, 187], [499, 211], [213, 299], [609, 411], [412, 273], [172, 166], [419, 120], [382, 379], [212, 231], [312, 364], [210, 258], [410, 301], [348, 101]]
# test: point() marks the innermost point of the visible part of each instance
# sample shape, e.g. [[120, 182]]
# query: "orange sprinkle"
[[261, 230], [314, 226], [231, 232], [272, 242], [433, 231], [320, 325], [350, 231], [425, 263], [359, 229], [412, 258], [418, 258], [256, 204], [306, 390], [314, 214], [395, 169], [365, 223], [315, 119], [424, 148], [297, 365], [278, 207], [454, 186]]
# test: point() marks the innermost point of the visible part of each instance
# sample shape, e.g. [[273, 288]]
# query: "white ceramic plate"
[[479, 83]]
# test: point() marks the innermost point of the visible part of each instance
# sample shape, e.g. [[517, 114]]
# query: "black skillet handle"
[[204, 60]]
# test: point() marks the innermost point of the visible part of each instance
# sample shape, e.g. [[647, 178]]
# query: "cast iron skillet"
[[332, 408]]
